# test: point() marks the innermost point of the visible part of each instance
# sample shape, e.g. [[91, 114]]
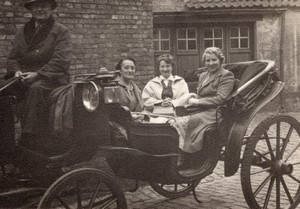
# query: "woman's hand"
[[193, 101], [137, 117], [167, 102]]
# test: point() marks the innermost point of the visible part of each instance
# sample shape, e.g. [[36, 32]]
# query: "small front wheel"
[[84, 188], [270, 172], [174, 190]]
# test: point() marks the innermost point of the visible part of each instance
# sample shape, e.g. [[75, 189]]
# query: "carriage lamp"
[[94, 94], [91, 96], [111, 94]]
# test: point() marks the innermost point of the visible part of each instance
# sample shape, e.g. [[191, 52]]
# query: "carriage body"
[[151, 151]]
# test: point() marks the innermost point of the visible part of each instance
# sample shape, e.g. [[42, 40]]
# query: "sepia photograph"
[[149, 104]]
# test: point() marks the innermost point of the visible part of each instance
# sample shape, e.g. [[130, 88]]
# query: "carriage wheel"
[[174, 190], [270, 172], [83, 188]]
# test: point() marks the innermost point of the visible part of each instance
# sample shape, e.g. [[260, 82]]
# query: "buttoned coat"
[[153, 91], [47, 51], [211, 94]]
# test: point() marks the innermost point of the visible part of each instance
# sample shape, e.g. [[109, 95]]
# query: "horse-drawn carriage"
[[268, 157]]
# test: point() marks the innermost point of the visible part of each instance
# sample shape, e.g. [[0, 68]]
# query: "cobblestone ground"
[[215, 191]]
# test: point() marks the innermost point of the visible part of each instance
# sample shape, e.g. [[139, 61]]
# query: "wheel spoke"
[[269, 146], [269, 193], [262, 185], [261, 171], [106, 202], [278, 141], [277, 192], [286, 141], [262, 155], [94, 196], [292, 152], [62, 202], [288, 194], [292, 177], [78, 195]]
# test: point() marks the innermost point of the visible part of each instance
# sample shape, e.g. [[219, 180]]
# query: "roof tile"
[[205, 4]]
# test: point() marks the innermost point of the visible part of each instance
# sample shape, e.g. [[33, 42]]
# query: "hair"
[[167, 58], [119, 64], [213, 50]]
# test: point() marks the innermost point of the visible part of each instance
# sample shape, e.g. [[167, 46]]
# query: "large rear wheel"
[[270, 172], [84, 188]]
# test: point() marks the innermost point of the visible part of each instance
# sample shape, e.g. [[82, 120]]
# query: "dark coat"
[[125, 99], [47, 52], [212, 94]]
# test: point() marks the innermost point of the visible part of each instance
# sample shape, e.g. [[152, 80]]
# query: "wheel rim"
[[83, 189], [271, 164], [174, 190]]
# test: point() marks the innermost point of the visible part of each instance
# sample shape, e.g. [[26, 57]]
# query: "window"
[[213, 37], [186, 39], [239, 37], [161, 39]]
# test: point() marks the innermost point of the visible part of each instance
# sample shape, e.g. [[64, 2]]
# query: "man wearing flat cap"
[[41, 55]]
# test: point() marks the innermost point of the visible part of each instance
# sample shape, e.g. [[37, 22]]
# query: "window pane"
[[155, 34], [244, 31], [208, 33], [218, 33], [208, 43], [165, 34], [219, 43], [244, 43], [156, 45], [191, 33], [234, 32], [191, 44], [181, 45], [181, 33], [234, 43], [165, 46]]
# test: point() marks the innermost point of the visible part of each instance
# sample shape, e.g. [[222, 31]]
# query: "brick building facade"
[[102, 31]]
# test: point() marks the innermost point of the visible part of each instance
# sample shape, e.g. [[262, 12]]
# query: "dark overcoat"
[[211, 94], [47, 51]]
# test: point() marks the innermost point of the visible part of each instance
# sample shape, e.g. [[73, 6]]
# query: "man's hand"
[[30, 77], [18, 74]]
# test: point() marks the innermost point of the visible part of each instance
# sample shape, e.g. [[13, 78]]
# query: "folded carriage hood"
[[239, 128]]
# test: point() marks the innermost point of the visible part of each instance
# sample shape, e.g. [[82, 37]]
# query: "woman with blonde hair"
[[214, 87]]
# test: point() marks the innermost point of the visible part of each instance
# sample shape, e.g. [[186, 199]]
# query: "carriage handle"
[[260, 74]]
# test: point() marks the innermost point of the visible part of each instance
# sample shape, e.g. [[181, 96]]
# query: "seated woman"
[[166, 89], [214, 87], [130, 94]]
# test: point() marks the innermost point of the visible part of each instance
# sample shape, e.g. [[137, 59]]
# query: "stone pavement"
[[215, 191]]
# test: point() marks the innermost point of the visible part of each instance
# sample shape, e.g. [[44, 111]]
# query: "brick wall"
[[102, 31]]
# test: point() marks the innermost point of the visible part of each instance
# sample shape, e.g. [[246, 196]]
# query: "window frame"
[[160, 40]]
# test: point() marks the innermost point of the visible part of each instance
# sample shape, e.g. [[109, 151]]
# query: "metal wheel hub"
[[281, 168]]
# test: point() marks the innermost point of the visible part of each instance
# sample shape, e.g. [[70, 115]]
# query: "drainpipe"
[[281, 61]]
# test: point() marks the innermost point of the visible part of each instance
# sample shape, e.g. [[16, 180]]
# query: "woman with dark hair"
[[166, 89], [130, 94]]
